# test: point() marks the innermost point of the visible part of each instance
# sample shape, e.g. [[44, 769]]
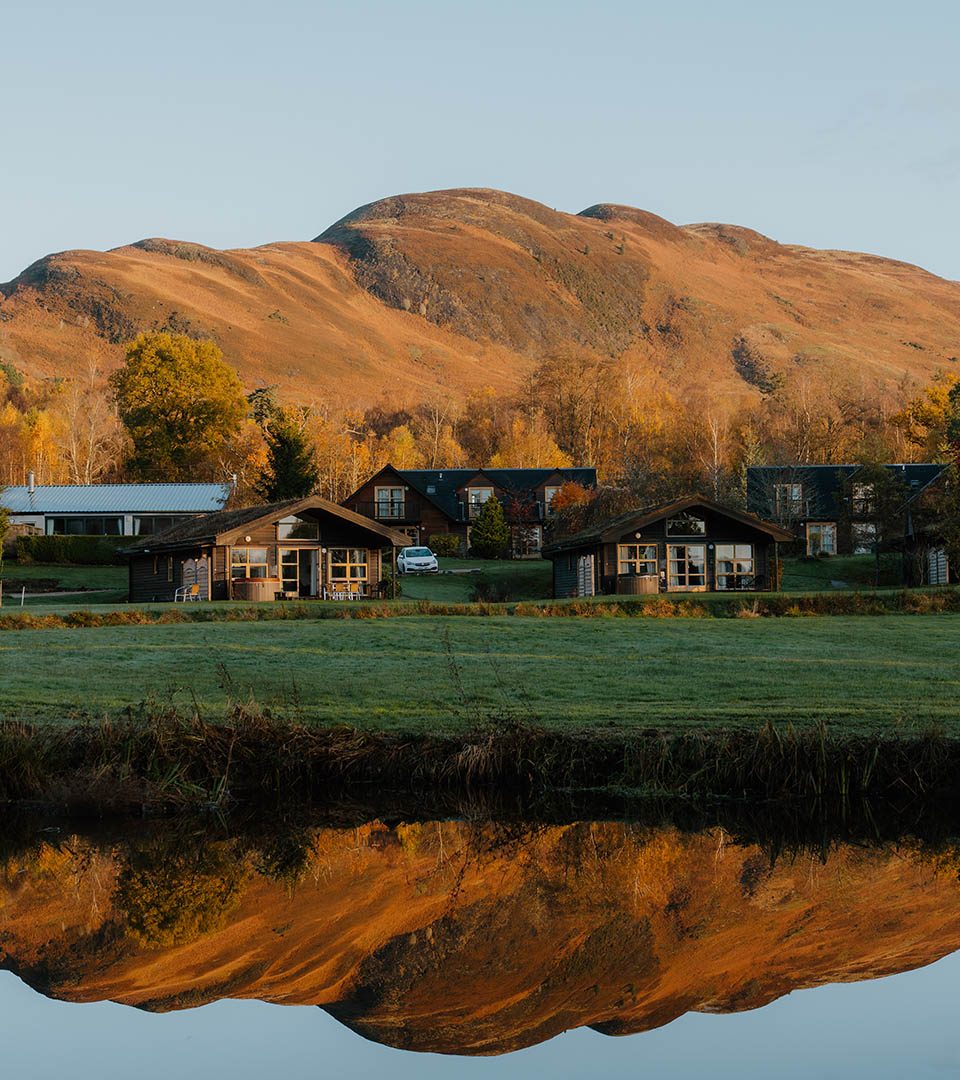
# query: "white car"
[[417, 560]]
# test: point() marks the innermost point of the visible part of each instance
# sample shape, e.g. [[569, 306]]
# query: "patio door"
[[298, 569], [686, 567]]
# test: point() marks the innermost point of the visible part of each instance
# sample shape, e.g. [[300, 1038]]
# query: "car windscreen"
[[417, 553]]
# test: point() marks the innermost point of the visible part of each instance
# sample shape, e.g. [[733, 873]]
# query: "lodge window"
[[296, 528], [85, 526], [788, 500], [821, 538], [549, 493], [735, 566], [864, 537], [390, 502], [248, 563], [476, 497], [156, 565], [637, 560], [687, 566], [169, 568], [862, 496], [349, 564], [686, 525], [149, 524]]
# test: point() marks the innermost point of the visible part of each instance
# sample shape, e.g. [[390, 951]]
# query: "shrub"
[[446, 545], [76, 550], [490, 535]]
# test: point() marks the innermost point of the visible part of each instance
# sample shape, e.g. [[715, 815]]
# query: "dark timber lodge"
[[691, 545], [300, 549]]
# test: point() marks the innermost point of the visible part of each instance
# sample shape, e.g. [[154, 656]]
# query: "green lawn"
[[860, 673], [107, 584], [518, 579], [840, 572]]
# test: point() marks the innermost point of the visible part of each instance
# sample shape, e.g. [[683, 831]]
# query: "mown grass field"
[[442, 674]]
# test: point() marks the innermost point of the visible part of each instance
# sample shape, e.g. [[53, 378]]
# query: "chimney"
[[31, 483]]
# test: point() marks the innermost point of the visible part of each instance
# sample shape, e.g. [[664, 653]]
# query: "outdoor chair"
[[187, 594]]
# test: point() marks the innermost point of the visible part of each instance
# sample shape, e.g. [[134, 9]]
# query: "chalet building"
[[825, 506], [423, 502], [108, 509], [299, 549], [690, 545]]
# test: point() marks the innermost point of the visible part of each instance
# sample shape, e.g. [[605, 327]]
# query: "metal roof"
[[116, 498]]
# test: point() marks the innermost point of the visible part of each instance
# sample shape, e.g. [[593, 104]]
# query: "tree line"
[[177, 410]]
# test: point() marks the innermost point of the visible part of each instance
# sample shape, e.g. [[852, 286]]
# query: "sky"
[[235, 123], [886, 1029]]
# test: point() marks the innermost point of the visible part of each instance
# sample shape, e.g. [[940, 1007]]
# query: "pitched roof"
[[212, 527], [440, 486], [613, 528], [116, 498]]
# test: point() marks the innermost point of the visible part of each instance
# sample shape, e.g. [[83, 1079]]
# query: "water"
[[500, 940]]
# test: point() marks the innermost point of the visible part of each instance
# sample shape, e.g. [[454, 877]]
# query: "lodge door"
[[298, 568]]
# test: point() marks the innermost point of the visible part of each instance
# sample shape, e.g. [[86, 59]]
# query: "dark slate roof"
[[446, 482], [115, 498], [210, 527], [613, 528], [822, 484]]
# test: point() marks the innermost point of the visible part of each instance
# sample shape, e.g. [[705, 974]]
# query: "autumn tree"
[[931, 421], [91, 438], [490, 533], [290, 471], [180, 402]]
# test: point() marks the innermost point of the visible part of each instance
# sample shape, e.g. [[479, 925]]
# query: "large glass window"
[[788, 500], [637, 559], [735, 566], [149, 524], [549, 493], [248, 563], [476, 497], [821, 538], [686, 525], [687, 566], [864, 537], [295, 528], [390, 502], [349, 564], [85, 526]]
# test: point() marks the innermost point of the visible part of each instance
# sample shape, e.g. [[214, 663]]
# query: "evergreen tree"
[[291, 471], [490, 534]]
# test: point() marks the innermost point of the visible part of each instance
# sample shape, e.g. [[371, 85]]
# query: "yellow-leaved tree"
[[181, 404]]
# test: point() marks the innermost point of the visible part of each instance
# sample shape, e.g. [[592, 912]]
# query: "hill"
[[471, 287]]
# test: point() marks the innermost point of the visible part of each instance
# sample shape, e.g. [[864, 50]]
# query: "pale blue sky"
[[233, 124]]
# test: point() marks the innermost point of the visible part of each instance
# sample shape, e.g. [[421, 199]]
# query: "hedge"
[[447, 545], [75, 550]]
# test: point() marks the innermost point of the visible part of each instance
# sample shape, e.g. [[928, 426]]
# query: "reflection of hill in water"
[[454, 938]]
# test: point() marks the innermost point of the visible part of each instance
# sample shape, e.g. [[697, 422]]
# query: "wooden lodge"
[[300, 549], [690, 545], [426, 502]]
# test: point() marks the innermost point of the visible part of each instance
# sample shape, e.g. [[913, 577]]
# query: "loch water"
[[489, 948]]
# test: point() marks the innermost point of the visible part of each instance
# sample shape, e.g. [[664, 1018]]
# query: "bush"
[[446, 545], [490, 535], [76, 550]]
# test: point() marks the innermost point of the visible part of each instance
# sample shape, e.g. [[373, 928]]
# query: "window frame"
[[637, 560], [396, 507], [674, 583], [742, 580], [246, 563], [820, 526], [682, 520], [792, 504], [349, 563]]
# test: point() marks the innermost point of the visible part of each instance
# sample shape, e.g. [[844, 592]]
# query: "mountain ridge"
[[457, 289]]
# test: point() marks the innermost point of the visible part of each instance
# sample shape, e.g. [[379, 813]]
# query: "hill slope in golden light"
[[460, 939], [471, 287]]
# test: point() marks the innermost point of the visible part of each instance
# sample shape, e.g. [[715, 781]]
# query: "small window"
[[636, 560], [169, 568], [735, 566], [864, 537], [862, 498], [549, 493], [348, 564], [248, 563], [821, 538], [788, 500], [156, 565], [686, 525], [389, 503], [296, 528]]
